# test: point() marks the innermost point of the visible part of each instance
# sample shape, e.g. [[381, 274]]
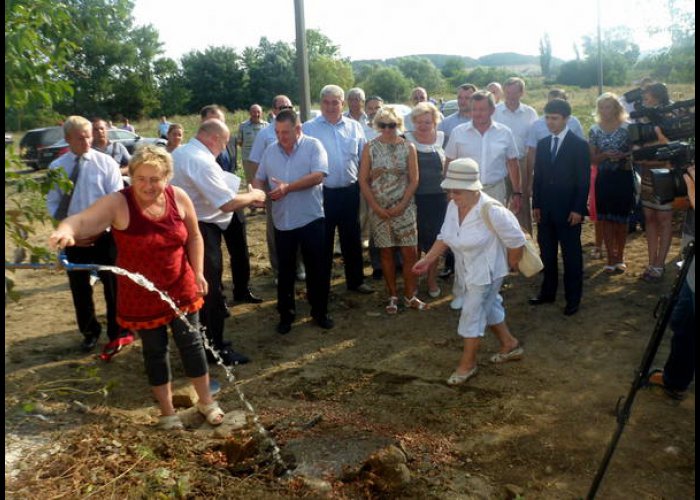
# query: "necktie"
[[62, 210], [555, 144]]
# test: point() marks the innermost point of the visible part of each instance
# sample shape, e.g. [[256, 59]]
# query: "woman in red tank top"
[[156, 233]]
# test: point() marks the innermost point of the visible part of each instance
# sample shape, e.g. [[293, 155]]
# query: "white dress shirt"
[[99, 175], [480, 254], [197, 173], [518, 121], [490, 150]]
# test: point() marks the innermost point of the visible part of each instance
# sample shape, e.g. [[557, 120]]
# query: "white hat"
[[462, 173]]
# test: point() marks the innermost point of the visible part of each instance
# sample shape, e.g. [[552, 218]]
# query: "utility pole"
[[302, 62], [600, 55]]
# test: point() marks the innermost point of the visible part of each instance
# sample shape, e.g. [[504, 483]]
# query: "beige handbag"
[[530, 263]]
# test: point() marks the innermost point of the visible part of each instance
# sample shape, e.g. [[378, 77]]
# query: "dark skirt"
[[614, 195], [431, 209]]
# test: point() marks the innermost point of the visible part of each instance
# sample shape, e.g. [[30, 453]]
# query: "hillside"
[[501, 59]]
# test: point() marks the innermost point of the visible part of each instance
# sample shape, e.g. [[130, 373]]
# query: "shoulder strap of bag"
[[485, 207]]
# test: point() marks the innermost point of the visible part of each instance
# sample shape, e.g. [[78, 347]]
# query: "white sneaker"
[[457, 303]]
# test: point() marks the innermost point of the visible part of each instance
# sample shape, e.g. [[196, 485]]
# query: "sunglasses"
[[386, 125]]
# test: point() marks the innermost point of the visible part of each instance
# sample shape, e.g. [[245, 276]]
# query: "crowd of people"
[[416, 190]]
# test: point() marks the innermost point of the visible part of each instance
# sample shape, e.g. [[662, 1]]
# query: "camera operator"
[[679, 370], [658, 217]]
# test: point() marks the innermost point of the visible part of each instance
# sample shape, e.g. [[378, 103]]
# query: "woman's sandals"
[[211, 412]]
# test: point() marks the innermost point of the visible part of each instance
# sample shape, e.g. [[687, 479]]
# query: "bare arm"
[[514, 256], [242, 200], [438, 248], [195, 242], [364, 177], [412, 183], [92, 221], [281, 188], [527, 183]]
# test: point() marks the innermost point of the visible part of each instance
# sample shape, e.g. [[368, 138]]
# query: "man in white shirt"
[[492, 146], [518, 117], [197, 172], [94, 175], [464, 111]]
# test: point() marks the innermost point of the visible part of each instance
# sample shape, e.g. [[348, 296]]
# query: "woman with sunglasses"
[[388, 179]]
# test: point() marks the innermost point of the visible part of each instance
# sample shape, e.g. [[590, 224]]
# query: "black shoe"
[[284, 328], [231, 357], [377, 274], [89, 342], [248, 297], [325, 322], [538, 301], [570, 309], [364, 289]]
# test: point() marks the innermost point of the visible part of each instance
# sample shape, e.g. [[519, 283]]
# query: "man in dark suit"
[[560, 191]]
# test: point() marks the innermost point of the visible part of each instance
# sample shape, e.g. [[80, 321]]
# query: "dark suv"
[[35, 140]]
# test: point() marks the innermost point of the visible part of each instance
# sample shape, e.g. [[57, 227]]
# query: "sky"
[[379, 29]]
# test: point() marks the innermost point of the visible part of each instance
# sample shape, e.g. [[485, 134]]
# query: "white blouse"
[[480, 254]]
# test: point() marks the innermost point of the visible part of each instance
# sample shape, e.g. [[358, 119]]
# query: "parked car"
[[130, 140], [449, 107], [34, 141]]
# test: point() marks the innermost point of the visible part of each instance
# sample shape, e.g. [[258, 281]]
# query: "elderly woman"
[[486, 240], [614, 184], [658, 217], [156, 233], [431, 201], [388, 179], [174, 137]]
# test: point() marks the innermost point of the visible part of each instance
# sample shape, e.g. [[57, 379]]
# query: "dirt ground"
[[537, 428]]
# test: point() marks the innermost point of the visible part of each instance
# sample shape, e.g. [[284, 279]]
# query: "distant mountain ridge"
[[499, 59]]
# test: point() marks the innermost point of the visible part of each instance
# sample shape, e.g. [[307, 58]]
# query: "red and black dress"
[[155, 248]]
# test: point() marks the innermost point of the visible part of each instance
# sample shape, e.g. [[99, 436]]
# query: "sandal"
[[514, 354], [170, 423], [434, 294], [393, 305], [652, 274], [415, 303], [212, 413], [609, 269], [460, 378]]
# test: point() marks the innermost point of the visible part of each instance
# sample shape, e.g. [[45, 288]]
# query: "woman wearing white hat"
[[486, 240]]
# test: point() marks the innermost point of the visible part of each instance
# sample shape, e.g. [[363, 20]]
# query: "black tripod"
[[663, 311]]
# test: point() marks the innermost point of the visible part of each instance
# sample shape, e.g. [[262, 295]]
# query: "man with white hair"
[[94, 174], [197, 172], [343, 140], [519, 117]]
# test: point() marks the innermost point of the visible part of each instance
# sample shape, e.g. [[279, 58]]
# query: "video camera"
[[676, 121], [668, 184], [634, 97]]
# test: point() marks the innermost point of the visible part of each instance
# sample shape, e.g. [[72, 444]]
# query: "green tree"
[[422, 72], [319, 45], [34, 62], [389, 83], [325, 70], [453, 66], [545, 55], [173, 94], [270, 71], [214, 76]]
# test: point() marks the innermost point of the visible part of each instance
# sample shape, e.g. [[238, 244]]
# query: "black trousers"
[[342, 210], [318, 279], [550, 235], [156, 354], [213, 314], [237, 245], [102, 252]]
